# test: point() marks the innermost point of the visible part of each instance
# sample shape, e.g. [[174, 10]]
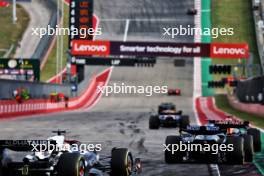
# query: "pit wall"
[[88, 98], [206, 62], [36, 90]]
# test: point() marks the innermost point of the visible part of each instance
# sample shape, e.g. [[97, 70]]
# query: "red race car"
[[4, 4], [176, 92], [192, 11]]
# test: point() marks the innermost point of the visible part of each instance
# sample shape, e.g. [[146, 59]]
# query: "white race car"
[[67, 161]]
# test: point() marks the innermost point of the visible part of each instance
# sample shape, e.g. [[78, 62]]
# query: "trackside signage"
[[81, 15], [86, 47], [159, 49], [220, 50], [104, 48], [29, 67], [155, 49]]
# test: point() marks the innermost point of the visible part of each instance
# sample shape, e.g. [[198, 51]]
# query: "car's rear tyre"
[[5, 172], [184, 122], [121, 162], [177, 156], [4, 160], [71, 164], [248, 148], [154, 122], [256, 138], [237, 155]]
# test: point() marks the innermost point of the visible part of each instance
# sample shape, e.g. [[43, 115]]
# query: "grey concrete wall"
[[37, 90]]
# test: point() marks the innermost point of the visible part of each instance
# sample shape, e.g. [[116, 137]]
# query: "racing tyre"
[[256, 138], [154, 122], [121, 162], [237, 155], [175, 157], [5, 172], [248, 148], [184, 122], [71, 164], [4, 160]]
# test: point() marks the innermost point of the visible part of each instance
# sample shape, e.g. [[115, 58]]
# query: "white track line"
[[126, 30], [197, 76], [143, 19], [197, 63]]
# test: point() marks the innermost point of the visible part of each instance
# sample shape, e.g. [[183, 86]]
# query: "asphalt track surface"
[[29, 42], [122, 120], [119, 119]]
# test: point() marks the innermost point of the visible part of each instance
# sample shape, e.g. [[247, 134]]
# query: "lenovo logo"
[[86, 48], [231, 51]]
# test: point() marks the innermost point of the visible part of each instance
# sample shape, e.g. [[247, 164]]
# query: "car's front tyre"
[[121, 162], [71, 164]]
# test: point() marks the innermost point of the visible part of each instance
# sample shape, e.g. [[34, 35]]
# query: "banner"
[[136, 61], [156, 49], [148, 49], [153, 49], [229, 51], [86, 48]]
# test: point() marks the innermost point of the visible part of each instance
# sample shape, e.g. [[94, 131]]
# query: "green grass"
[[12, 33], [222, 103], [236, 14], [49, 69]]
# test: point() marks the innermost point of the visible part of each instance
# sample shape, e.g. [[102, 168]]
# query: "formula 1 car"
[[239, 128], [204, 144], [174, 92], [168, 116], [4, 4], [192, 11], [66, 161]]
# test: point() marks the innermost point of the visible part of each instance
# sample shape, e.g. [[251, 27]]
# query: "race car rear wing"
[[26, 145], [203, 130], [224, 124], [170, 113]]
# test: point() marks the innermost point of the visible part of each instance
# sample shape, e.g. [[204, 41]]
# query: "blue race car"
[[168, 116]]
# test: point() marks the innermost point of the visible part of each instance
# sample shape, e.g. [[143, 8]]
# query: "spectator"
[[19, 99]]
